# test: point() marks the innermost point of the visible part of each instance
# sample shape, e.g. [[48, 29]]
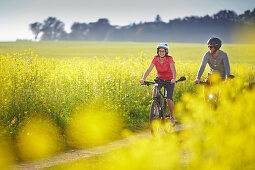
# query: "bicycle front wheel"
[[154, 111], [155, 121]]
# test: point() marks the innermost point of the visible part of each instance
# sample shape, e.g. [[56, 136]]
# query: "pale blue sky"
[[16, 15]]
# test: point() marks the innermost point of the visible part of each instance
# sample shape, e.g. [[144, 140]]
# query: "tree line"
[[223, 24]]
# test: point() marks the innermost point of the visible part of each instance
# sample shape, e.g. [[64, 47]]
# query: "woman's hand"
[[142, 81], [197, 81], [173, 81]]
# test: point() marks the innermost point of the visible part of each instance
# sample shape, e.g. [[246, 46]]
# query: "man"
[[216, 59]]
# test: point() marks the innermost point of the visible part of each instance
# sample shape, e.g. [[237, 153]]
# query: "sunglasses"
[[161, 51], [210, 46]]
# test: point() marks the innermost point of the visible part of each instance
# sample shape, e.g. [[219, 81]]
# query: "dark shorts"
[[169, 89]]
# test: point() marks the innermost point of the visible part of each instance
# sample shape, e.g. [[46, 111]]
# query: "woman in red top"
[[165, 71]]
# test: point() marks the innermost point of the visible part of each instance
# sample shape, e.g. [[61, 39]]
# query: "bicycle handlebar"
[[203, 83], [167, 81], [208, 83]]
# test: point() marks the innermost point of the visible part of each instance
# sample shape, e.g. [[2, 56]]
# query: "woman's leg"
[[170, 102]]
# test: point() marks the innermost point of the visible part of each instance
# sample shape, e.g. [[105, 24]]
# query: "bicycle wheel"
[[154, 111], [167, 123], [168, 127], [155, 121], [164, 108]]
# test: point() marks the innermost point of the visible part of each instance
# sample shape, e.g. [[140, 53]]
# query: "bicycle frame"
[[157, 98]]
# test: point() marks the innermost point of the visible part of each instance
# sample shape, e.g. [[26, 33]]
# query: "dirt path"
[[74, 155]]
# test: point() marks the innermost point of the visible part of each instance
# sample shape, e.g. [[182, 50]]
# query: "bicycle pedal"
[[156, 116]]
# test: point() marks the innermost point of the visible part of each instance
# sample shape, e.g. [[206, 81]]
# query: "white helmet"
[[163, 45]]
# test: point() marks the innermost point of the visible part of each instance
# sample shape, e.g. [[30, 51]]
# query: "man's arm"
[[202, 67], [226, 65]]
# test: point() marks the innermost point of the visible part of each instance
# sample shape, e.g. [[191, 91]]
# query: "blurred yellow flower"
[[38, 138]]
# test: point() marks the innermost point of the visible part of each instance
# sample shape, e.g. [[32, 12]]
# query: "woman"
[[165, 71]]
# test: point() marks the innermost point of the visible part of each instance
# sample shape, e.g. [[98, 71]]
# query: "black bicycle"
[[158, 115]]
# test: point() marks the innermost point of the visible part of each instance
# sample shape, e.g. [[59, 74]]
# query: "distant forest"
[[223, 24]]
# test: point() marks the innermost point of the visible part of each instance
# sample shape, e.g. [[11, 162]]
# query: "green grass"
[[181, 52]]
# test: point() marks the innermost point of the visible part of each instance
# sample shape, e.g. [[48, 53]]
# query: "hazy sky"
[[16, 15]]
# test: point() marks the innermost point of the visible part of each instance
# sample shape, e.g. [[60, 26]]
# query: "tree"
[[158, 19], [225, 15], [103, 21], [53, 29], [79, 31], [248, 17], [98, 31], [187, 29], [36, 28]]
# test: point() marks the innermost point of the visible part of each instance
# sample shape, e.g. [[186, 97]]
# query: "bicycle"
[[212, 95], [158, 114]]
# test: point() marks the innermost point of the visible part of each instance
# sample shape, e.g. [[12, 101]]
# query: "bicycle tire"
[[164, 108], [155, 121], [154, 111], [167, 125]]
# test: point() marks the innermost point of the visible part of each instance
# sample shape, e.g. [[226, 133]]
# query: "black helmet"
[[216, 42]]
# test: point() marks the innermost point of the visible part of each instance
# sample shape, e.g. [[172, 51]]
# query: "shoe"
[[172, 120]]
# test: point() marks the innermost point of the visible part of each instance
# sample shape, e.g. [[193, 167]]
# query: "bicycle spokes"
[[156, 110]]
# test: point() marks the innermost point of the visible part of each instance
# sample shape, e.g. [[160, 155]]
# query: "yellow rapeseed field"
[[49, 83]]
